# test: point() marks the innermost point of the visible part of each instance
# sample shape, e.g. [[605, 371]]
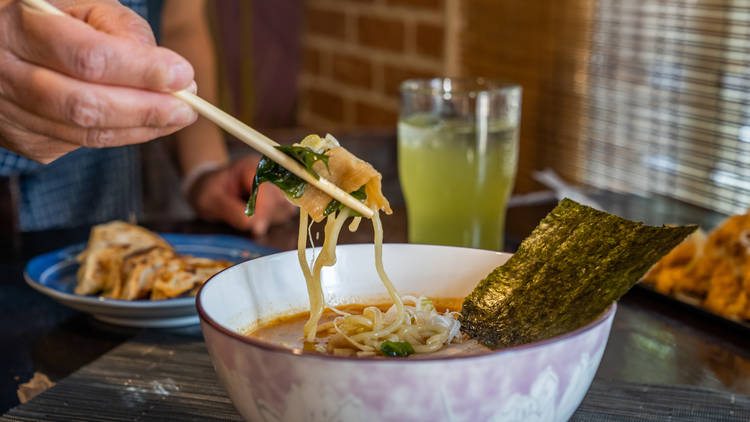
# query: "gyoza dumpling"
[[139, 272], [182, 276], [105, 252], [100, 270]]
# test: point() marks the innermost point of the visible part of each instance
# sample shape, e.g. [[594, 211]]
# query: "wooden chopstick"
[[246, 134], [266, 146]]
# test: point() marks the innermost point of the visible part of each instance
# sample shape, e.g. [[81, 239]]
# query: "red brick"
[[311, 61], [427, 4], [382, 33], [393, 76], [325, 104], [374, 116], [325, 22], [352, 70], [430, 40]]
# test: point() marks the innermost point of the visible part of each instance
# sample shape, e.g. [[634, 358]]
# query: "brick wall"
[[357, 52]]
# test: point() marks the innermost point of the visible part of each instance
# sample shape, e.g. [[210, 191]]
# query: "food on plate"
[[572, 267], [710, 269], [183, 276], [108, 245], [129, 262]]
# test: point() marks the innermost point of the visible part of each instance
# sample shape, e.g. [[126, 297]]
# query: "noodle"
[[417, 326], [326, 258], [420, 324]]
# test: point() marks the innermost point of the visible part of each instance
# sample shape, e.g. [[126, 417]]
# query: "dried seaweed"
[[575, 263]]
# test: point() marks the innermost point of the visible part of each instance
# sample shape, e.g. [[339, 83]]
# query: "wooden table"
[[654, 341], [155, 377]]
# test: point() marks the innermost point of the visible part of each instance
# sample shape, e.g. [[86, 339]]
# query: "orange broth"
[[286, 331]]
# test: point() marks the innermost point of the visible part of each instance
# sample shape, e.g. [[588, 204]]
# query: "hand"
[[222, 196], [94, 81]]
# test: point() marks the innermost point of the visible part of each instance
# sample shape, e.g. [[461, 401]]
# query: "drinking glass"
[[457, 158]]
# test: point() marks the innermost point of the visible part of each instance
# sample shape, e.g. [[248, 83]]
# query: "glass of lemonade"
[[457, 157]]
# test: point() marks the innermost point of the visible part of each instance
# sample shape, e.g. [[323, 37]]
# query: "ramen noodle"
[[410, 324]]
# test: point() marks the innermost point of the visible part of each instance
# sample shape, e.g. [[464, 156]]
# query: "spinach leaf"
[[335, 205], [396, 349], [270, 171], [306, 156]]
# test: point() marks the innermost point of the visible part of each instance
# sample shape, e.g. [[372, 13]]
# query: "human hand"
[[222, 196], [94, 81]]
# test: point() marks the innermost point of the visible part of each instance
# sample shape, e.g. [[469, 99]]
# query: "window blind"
[[666, 108]]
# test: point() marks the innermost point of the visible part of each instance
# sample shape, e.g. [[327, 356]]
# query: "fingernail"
[[182, 115], [193, 88], [179, 75]]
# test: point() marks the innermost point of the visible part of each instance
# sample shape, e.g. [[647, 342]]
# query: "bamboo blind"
[[667, 104], [641, 96]]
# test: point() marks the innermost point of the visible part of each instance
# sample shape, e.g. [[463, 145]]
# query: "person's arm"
[[94, 78], [220, 191], [185, 31]]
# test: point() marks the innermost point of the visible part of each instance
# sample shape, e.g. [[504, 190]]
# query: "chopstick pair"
[[245, 133]]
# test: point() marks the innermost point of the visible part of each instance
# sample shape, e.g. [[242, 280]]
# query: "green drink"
[[456, 176]]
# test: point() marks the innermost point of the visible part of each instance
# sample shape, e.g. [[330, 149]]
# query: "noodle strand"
[[419, 324], [327, 258]]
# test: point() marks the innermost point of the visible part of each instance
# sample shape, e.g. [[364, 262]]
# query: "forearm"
[[200, 143], [185, 30]]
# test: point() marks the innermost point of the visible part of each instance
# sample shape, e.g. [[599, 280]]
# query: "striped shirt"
[[86, 186]]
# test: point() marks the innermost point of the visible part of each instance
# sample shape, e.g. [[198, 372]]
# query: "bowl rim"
[[270, 347]]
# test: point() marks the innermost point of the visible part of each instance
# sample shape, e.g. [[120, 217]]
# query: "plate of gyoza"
[[127, 275]]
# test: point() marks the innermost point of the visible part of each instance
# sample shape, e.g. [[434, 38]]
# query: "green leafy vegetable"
[[575, 263], [305, 156], [396, 349], [335, 205], [270, 171]]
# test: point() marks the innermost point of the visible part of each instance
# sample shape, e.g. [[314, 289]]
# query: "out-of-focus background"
[[640, 96]]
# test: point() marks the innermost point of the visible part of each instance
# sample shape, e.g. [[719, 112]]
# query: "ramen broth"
[[287, 332]]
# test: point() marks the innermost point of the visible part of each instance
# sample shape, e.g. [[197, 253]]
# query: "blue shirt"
[[86, 186]]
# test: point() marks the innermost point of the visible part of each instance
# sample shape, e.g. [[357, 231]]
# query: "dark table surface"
[[157, 377], [653, 340]]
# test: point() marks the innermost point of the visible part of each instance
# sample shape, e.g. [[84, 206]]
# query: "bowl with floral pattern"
[[542, 381]]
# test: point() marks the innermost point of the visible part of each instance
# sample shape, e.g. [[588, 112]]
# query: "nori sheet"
[[575, 263]]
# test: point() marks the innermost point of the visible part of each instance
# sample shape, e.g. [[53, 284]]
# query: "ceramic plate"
[[54, 274]]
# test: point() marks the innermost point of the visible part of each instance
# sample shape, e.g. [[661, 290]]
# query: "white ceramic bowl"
[[543, 381]]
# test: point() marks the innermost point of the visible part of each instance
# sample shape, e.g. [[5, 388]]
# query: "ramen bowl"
[[543, 381]]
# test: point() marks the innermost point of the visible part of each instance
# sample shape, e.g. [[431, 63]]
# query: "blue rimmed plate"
[[54, 274]]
